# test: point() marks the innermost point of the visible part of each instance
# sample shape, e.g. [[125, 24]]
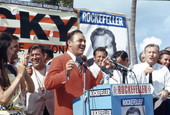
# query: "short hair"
[[132, 110], [100, 32], [122, 54], [151, 45], [102, 49], [141, 55], [48, 51], [70, 36], [167, 48], [161, 53], [14, 37], [33, 47]]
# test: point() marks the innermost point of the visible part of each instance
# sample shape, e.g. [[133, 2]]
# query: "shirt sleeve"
[[167, 80]]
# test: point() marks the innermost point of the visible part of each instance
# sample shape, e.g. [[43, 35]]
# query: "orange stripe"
[[43, 20], [25, 45], [18, 31], [46, 20]]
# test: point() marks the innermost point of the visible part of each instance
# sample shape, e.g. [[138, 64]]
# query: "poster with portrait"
[[132, 106], [103, 29]]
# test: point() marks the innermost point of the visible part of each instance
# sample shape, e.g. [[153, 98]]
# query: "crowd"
[[37, 83]]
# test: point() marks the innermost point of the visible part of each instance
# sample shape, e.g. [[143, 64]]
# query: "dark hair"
[[132, 110], [100, 32], [122, 54], [161, 53], [48, 51], [15, 37], [70, 36], [36, 47], [102, 49], [5, 42], [167, 48]]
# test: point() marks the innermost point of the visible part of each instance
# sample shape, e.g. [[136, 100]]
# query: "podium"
[[119, 99]]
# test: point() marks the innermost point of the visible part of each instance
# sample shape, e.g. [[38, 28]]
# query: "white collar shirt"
[[160, 76], [117, 78], [94, 69], [73, 57]]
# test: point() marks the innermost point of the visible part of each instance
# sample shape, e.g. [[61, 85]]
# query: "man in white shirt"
[[121, 77], [160, 77], [41, 102], [99, 54]]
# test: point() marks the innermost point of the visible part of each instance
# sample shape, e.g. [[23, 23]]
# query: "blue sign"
[[102, 100]]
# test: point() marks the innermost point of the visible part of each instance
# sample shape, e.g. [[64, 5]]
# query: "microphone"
[[81, 62], [103, 68], [119, 66]]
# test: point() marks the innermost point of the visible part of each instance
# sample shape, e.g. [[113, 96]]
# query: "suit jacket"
[[67, 90]]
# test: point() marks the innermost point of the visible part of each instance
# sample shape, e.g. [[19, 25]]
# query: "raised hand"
[[69, 66]]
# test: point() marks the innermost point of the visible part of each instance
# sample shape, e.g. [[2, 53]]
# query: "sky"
[[152, 18]]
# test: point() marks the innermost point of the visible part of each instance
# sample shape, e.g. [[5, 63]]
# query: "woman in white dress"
[[10, 84]]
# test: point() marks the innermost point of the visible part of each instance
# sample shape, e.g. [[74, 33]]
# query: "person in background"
[[167, 48], [65, 75], [14, 59], [142, 57], [41, 102], [12, 83], [99, 54], [48, 55], [121, 76], [158, 75], [164, 58]]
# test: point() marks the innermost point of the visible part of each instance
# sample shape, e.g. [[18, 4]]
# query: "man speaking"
[[65, 76]]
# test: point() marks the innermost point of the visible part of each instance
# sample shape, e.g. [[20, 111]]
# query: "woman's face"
[[10, 52], [165, 60]]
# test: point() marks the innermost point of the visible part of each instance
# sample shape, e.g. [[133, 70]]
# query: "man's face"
[[104, 41], [98, 58], [123, 62], [151, 55], [37, 59], [15, 49], [77, 44]]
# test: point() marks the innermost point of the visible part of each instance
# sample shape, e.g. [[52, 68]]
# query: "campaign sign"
[[119, 99]]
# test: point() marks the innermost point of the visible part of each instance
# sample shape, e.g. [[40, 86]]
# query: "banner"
[[35, 25], [103, 30], [109, 100]]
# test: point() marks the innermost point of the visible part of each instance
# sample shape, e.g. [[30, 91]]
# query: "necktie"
[[79, 68], [150, 77], [124, 75], [79, 61]]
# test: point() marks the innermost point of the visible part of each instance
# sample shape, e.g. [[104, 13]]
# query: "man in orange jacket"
[[65, 78]]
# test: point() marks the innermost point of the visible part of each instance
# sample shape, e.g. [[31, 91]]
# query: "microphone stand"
[[81, 62], [84, 91]]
